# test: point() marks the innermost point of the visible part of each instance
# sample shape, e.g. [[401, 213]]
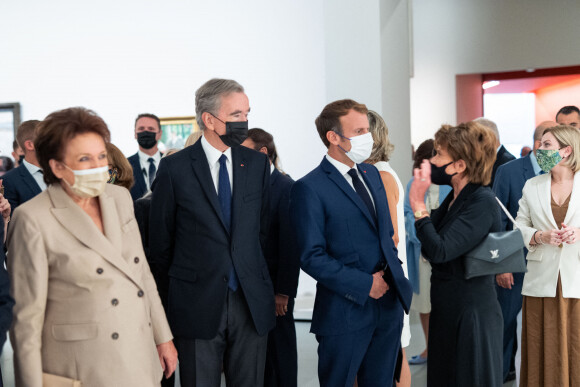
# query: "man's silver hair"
[[208, 97], [488, 124]]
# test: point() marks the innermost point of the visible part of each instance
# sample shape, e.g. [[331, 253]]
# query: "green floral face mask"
[[548, 158]]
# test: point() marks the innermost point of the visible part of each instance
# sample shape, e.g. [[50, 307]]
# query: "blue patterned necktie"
[[362, 192], [225, 198]]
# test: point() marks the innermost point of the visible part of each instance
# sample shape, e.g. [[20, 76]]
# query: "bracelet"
[[534, 238]]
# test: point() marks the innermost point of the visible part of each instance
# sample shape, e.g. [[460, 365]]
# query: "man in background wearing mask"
[[508, 186], [25, 182], [344, 233], [146, 161], [209, 219], [17, 154], [569, 115]]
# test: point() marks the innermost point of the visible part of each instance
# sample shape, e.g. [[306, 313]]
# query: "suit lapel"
[[573, 204], [81, 226], [200, 167], [528, 168], [138, 173], [341, 182], [29, 180], [240, 171], [545, 197], [374, 190]]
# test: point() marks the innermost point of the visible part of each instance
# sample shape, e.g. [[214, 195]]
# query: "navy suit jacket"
[[509, 184], [140, 187], [341, 245], [281, 252], [6, 301], [19, 186], [502, 157], [191, 251]]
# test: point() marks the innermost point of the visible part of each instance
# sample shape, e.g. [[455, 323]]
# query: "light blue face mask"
[[548, 158]]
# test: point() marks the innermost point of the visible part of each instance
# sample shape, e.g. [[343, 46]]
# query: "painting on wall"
[[176, 130], [9, 122]]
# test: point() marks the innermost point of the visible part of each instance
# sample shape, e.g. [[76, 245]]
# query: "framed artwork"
[[176, 130], [9, 122]]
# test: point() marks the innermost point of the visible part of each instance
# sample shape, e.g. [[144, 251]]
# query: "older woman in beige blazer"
[[87, 306], [549, 217]]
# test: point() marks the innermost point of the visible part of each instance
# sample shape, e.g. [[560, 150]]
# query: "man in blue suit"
[[25, 182], [146, 161], [508, 185], [344, 233]]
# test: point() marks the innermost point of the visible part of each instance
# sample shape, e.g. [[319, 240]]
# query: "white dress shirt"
[[36, 173], [213, 158], [144, 162], [343, 169]]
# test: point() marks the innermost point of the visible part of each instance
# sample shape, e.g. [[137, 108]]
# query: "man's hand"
[[281, 304], [379, 287], [505, 280], [168, 357]]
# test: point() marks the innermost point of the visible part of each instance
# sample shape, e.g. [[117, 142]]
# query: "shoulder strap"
[[510, 217]]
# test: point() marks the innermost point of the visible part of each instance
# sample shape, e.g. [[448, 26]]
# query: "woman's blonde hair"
[[567, 135], [382, 147], [192, 138], [472, 143]]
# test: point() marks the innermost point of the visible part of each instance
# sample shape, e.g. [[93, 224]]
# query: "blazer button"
[[225, 279], [136, 260], [99, 271], [140, 293], [115, 336], [115, 302]]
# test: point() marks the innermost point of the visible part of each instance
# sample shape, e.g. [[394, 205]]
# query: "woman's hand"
[[420, 185], [4, 206], [549, 237], [168, 358], [505, 280], [569, 234]]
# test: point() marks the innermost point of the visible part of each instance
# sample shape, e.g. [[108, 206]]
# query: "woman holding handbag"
[[466, 325], [549, 217]]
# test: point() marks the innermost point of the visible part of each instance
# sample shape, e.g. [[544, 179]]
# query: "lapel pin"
[[241, 165], [364, 171]]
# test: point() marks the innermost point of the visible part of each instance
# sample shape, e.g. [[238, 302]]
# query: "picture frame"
[[10, 120], [176, 130]]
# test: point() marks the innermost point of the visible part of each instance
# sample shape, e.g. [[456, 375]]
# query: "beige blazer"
[[546, 261], [87, 306]]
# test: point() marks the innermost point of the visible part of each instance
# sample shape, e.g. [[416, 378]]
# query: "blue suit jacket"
[[340, 246], [19, 186], [140, 187], [508, 185]]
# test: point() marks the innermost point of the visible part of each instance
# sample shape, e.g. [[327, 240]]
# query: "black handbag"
[[500, 252]]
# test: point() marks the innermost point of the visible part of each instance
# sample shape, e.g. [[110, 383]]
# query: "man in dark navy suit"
[[208, 224], [25, 182], [344, 233], [146, 161], [284, 265], [509, 183], [502, 156]]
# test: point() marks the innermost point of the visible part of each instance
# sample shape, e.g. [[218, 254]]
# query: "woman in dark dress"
[[466, 325]]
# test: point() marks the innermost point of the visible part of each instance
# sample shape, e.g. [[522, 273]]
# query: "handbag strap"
[[510, 217]]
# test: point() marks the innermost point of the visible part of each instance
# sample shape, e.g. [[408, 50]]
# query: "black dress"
[[466, 323]]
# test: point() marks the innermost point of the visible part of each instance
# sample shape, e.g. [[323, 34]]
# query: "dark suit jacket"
[[19, 186], [281, 252], [508, 186], [503, 156], [140, 187], [340, 246], [6, 301], [191, 250]]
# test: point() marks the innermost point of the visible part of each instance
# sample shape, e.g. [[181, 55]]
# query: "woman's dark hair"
[[264, 139], [124, 169], [58, 129], [423, 152]]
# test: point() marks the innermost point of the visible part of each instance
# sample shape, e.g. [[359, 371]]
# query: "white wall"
[[121, 58], [473, 36]]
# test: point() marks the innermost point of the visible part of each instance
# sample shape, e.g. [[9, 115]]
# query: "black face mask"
[[439, 176], [236, 132], [146, 139]]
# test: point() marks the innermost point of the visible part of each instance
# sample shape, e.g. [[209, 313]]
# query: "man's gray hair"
[[489, 124], [208, 97]]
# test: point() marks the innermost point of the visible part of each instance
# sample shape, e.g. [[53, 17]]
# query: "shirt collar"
[[144, 157], [32, 169], [342, 168], [213, 155], [535, 164], [272, 167]]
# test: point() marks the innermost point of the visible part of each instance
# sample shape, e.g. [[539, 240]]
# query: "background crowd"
[[194, 254]]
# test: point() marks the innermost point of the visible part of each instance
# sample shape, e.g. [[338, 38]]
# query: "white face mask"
[[360, 147], [89, 182]]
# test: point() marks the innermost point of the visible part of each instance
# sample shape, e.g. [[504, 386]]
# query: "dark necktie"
[[360, 189], [225, 198], [151, 170]]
